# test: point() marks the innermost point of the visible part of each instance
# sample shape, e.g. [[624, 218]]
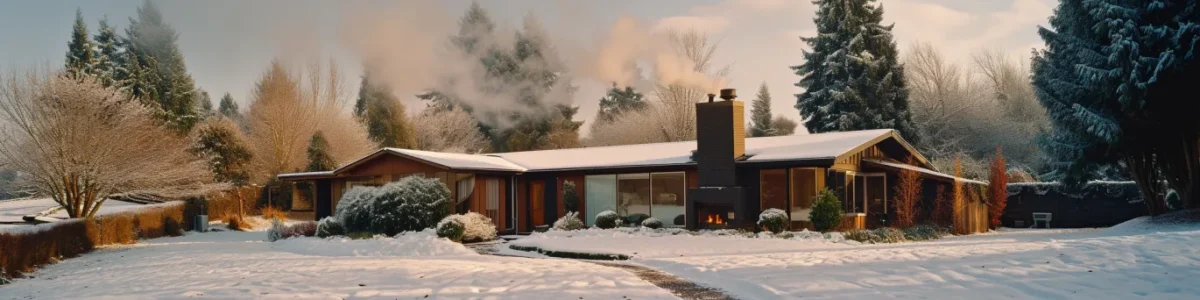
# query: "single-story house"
[[721, 180]]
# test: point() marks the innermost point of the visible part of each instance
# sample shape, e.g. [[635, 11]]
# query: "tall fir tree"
[[618, 101], [229, 108], [1110, 78], [528, 73], [150, 37], [137, 77], [318, 154], [760, 113], [81, 57], [852, 77], [108, 54], [384, 115], [204, 103]]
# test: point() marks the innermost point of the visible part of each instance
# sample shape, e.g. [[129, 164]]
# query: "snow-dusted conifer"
[[81, 57], [760, 113], [852, 77]]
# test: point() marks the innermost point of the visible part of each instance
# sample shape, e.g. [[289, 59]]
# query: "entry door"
[[875, 192], [537, 201]]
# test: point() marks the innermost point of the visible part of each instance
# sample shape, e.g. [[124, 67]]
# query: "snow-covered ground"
[[226, 265], [1133, 260]]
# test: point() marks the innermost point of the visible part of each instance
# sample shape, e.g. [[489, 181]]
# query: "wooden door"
[[537, 202], [875, 194]]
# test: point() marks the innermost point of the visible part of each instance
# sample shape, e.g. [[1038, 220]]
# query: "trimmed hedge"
[[23, 250]]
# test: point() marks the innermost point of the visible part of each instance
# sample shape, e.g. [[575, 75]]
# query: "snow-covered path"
[[240, 265]]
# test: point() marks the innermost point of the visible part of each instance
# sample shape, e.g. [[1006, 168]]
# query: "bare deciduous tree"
[[80, 143], [290, 106], [677, 101], [972, 110], [448, 130]]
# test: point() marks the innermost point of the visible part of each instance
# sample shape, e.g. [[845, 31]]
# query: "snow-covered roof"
[[922, 170], [459, 161], [763, 149]]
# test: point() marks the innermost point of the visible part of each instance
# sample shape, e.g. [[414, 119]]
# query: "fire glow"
[[716, 219]]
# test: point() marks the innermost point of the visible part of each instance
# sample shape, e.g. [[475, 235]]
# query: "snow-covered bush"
[[354, 209], [276, 232], [877, 236], [826, 213], [1173, 199], [478, 228], [306, 229], [773, 219], [922, 233], [652, 223], [451, 228], [608, 220], [328, 226], [411, 204], [570, 221]]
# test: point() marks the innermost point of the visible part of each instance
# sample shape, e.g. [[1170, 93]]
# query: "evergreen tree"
[[228, 154], [81, 57], [204, 103], [852, 77], [528, 73], [760, 113], [229, 108], [1110, 78], [150, 37], [137, 76], [384, 115], [318, 154], [108, 54], [618, 101]]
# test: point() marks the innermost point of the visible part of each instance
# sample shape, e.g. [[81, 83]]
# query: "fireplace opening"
[[715, 216]]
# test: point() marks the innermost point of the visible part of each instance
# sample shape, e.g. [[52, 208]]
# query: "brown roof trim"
[[306, 176], [891, 134]]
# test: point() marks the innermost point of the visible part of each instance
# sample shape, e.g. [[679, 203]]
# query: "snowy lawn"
[[1133, 260], [242, 265]]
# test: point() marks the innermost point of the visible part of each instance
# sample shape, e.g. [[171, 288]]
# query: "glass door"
[[875, 196]]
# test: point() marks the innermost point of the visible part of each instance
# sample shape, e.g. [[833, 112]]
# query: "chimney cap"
[[710, 97], [728, 94]]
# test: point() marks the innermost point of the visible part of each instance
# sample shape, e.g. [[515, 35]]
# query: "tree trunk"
[[1179, 160], [1141, 166]]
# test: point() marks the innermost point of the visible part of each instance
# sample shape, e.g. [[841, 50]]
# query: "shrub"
[[907, 193], [272, 213], [233, 222], [826, 212], [607, 220], [634, 219], [570, 197], [451, 228], [570, 221], [997, 191], [478, 228], [411, 204], [922, 233], [276, 232], [877, 236], [306, 229], [354, 209], [652, 223], [1173, 200], [774, 220], [329, 227]]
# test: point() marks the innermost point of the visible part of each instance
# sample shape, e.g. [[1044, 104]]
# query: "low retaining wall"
[[1096, 204]]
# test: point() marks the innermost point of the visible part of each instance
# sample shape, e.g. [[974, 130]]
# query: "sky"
[[229, 44]]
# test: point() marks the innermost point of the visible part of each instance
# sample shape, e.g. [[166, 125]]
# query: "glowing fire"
[[716, 219]]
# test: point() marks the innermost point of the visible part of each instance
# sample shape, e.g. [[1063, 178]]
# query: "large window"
[[637, 196], [806, 183], [633, 194], [669, 190], [600, 192]]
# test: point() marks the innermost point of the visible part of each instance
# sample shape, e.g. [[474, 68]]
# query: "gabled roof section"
[[459, 161], [904, 166], [895, 136]]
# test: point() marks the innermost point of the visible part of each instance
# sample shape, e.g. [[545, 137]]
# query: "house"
[[721, 180]]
